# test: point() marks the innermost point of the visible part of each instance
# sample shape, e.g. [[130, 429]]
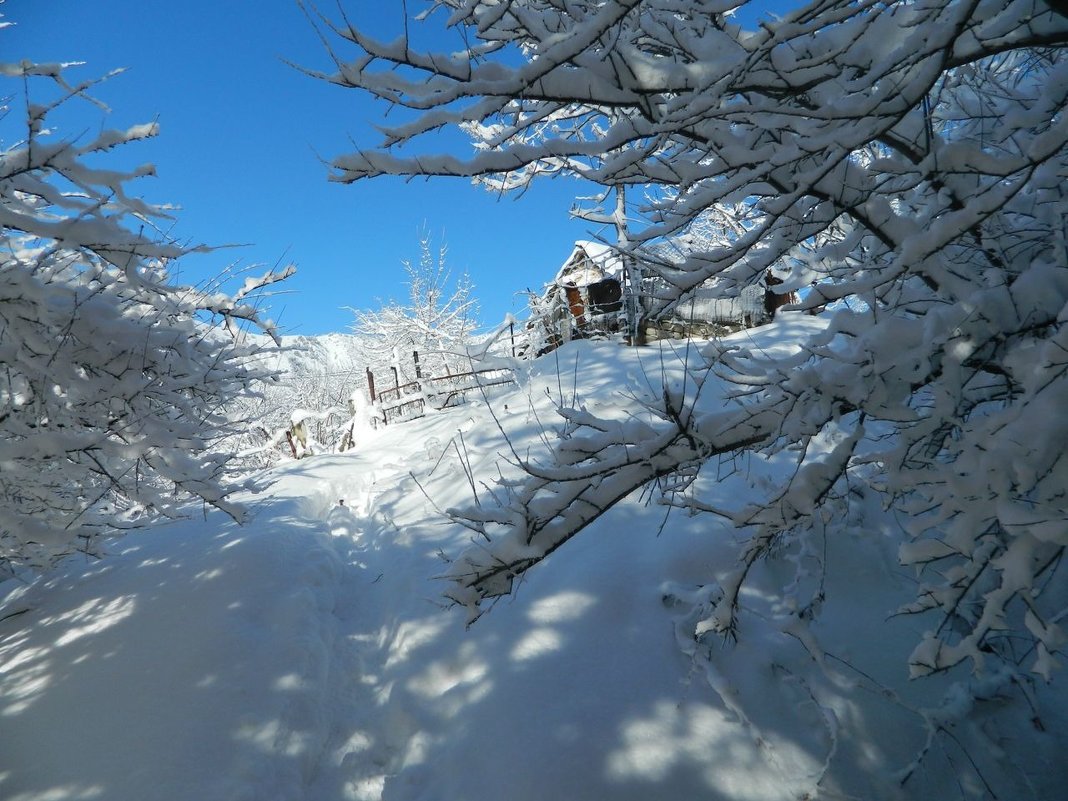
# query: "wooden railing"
[[409, 400]]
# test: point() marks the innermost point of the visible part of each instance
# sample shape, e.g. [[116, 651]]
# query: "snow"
[[706, 304], [309, 654], [589, 263]]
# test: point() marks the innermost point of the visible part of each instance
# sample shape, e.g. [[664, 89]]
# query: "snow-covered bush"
[[112, 381], [908, 157]]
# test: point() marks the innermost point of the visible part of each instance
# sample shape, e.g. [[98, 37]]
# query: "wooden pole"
[[371, 385]]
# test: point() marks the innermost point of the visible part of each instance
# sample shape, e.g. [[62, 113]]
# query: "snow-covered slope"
[[307, 655], [328, 353]]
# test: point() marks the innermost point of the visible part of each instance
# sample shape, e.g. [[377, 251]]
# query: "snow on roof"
[[590, 262]]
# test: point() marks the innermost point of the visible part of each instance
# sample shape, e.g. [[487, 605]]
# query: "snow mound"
[[310, 655]]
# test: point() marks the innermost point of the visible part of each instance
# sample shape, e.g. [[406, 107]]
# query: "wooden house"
[[585, 298], [592, 294]]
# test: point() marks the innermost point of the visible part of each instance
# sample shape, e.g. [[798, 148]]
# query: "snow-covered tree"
[[113, 382], [437, 321], [909, 156], [312, 377]]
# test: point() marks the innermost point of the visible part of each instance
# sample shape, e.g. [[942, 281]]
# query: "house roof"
[[589, 263]]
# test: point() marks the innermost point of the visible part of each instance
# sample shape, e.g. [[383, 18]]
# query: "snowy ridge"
[[308, 655]]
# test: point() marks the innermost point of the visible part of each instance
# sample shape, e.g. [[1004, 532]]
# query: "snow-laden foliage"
[[112, 383], [910, 157], [311, 377], [321, 400], [437, 322]]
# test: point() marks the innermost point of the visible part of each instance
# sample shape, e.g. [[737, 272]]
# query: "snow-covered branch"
[[901, 165], [113, 384]]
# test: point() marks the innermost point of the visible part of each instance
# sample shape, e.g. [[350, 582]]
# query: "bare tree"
[[112, 382]]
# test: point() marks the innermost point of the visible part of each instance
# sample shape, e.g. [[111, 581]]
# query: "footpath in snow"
[[309, 653]]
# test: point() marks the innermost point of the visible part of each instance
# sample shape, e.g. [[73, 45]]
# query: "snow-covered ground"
[[309, 654]]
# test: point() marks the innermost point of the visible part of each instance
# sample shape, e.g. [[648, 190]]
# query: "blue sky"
[[243, 144]]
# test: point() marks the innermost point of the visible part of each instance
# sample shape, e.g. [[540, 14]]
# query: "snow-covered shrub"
[[112, 381]]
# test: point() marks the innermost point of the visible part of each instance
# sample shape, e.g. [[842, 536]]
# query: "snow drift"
[[310, 653]]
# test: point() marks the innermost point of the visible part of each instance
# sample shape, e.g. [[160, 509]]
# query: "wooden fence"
[[409, 400]]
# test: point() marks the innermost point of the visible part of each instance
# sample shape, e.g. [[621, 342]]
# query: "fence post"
[[511, 333], [396, 381], [418, 369], [371, 385]]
